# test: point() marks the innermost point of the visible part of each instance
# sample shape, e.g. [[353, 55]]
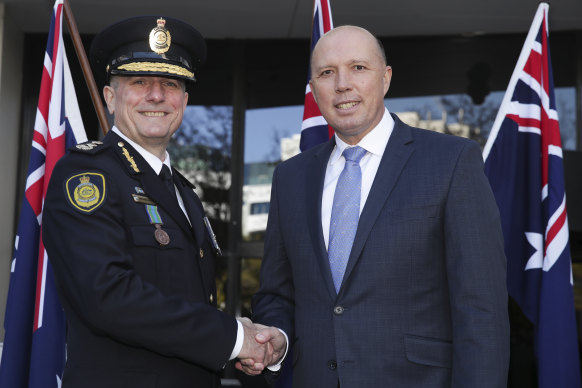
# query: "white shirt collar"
[[154, 162], [374, 142]]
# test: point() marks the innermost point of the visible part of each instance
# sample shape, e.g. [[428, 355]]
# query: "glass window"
[[566, 106], [201, 151], [250, 274], [456, 114], [272, 135], [260, 208], [266, 129], [453, 114]]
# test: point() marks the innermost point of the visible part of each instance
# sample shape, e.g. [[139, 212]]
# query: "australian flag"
[[524, 163], [34, 345], [314, 129]]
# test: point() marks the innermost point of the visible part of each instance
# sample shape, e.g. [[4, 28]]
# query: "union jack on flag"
[[34, 345], [524, 164], [314, 129]]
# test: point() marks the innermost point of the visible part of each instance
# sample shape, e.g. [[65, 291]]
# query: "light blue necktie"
[[345, 214]]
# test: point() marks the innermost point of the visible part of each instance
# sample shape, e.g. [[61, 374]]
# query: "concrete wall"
[[11, 53]]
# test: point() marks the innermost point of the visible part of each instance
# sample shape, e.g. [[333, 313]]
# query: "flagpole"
[[523, 56], [82, 56]]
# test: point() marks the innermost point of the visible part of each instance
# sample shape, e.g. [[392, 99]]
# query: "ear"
[[386, 78], [109, 96]]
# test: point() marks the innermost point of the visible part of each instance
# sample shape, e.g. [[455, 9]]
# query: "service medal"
[[161, 235]]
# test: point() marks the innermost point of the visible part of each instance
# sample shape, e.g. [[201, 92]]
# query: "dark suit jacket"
[[423, 301], [139, 313]]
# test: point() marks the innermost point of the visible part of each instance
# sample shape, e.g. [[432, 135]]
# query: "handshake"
[[262, 347]]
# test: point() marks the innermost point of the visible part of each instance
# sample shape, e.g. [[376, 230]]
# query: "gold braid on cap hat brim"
[[156, 67]]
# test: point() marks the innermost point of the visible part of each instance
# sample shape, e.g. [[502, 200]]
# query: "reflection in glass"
[[457, 115], [201, 151], [260, 208], [453, 114], [272, 135], [566, 106], [250, 271], [266, 128]]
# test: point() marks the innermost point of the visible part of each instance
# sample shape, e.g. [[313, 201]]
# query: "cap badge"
[[160, 38]]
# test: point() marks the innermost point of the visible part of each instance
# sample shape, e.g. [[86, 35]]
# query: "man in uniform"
[[132, 251]]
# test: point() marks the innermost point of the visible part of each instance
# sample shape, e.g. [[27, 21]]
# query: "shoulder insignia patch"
[[86, 191]]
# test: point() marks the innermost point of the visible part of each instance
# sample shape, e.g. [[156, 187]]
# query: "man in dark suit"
[[384, 259], [132, 251]]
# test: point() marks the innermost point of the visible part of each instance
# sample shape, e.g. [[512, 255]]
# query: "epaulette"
[[88, 147]]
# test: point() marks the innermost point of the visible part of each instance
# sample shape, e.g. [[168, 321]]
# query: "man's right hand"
[[262, 346]]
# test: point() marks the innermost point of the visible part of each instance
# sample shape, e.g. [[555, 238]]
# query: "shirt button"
[[201, 253], [332, 364], [338, 310]]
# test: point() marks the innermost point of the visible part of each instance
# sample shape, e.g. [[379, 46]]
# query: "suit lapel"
[[192, 204], [315, 176], [396, 154]]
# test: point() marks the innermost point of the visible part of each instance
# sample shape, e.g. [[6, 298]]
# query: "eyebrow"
[[350, 62], [360, 60]]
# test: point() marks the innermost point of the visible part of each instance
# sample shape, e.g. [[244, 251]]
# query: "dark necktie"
[[166, 176]]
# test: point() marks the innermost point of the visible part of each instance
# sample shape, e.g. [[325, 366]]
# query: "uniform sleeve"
[[476, 270], [97, 280]]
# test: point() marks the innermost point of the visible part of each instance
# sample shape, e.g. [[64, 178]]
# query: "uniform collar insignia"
[[129, 158]]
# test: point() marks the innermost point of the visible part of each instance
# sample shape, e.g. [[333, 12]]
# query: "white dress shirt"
[[155, 163], [374, 143]]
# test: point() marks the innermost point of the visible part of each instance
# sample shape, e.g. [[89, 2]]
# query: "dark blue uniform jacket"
[[135, 278]]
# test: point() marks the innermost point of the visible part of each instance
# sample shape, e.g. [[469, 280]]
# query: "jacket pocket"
[[414, 213], [144, 236], [429, 351]]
